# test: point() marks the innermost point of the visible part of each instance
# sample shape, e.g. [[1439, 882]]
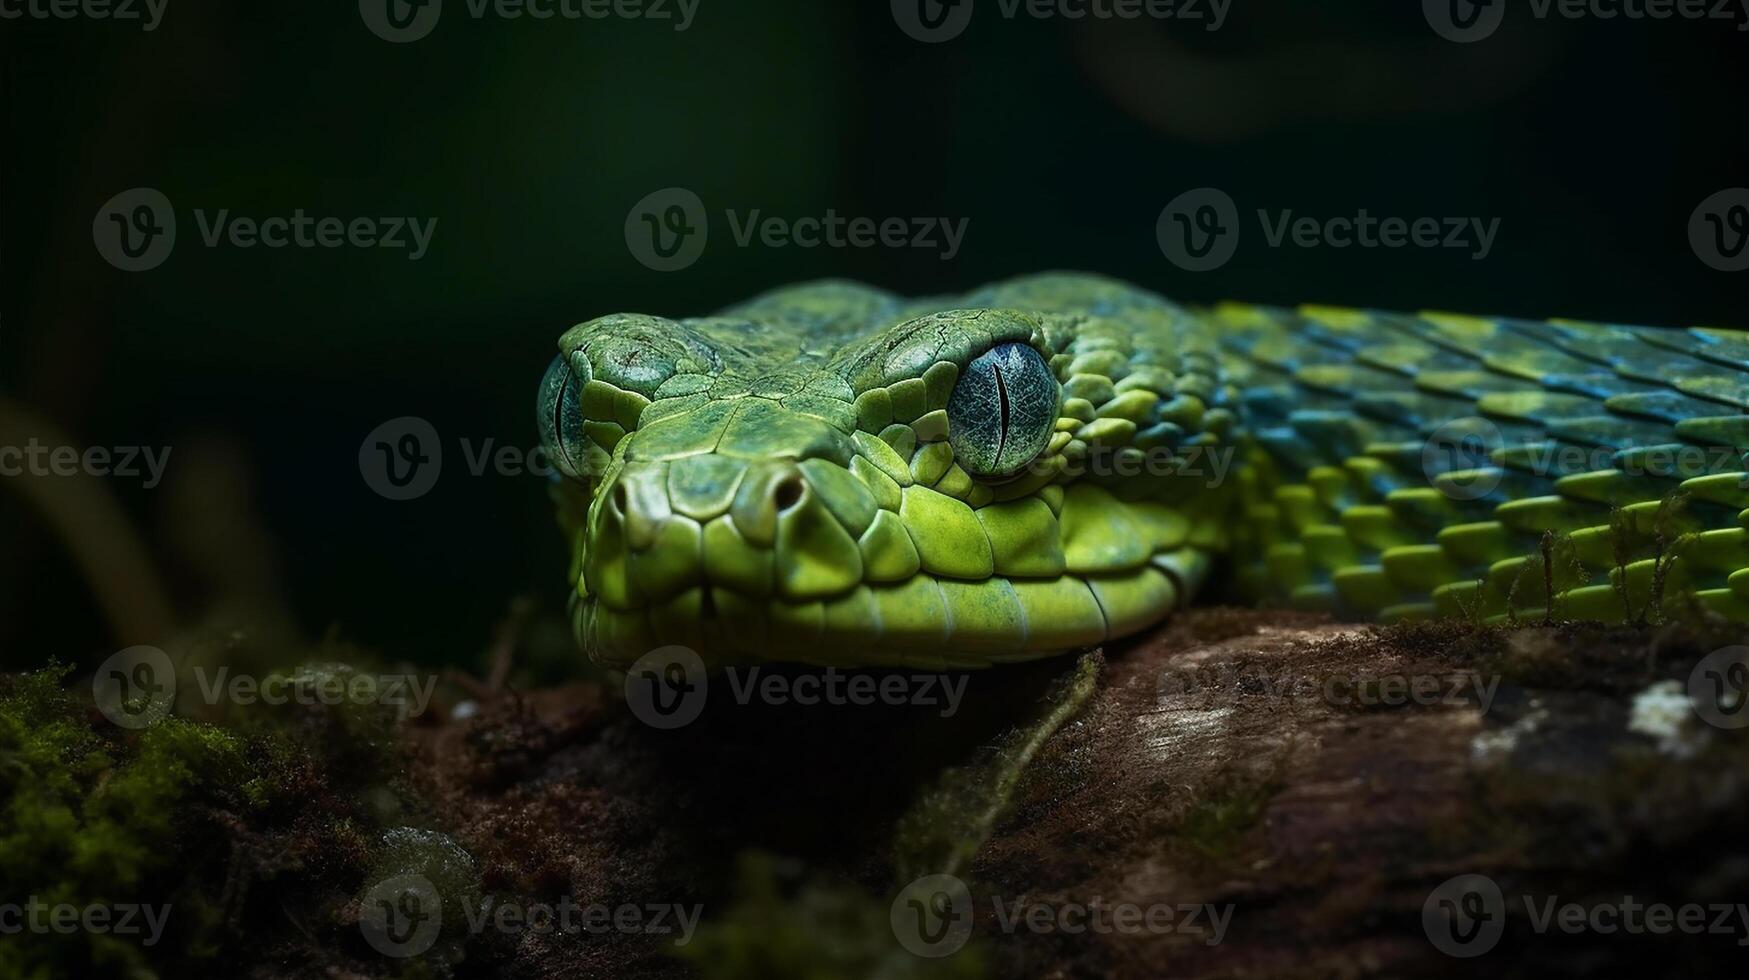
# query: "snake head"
[[829, 474]]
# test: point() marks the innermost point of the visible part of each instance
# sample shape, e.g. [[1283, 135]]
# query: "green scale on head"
[[833, 474]]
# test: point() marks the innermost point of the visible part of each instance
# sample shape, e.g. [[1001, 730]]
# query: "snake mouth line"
[[796, 562], [926, 622]]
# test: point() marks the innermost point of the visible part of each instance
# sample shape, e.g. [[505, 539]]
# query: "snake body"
[[833, 474]]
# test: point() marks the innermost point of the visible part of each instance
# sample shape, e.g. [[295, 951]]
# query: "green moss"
[[1218, 822], [784, 926], [192, 816], [953, 819], [90, 822]]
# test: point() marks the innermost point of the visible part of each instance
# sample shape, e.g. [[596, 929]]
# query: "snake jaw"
[[790, 560]]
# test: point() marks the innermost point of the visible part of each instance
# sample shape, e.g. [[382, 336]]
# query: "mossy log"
[[1236, 794]]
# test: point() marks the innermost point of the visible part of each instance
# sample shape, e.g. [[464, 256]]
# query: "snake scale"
[[833, 474]]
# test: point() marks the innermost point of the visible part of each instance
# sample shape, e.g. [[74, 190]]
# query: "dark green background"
[[530, 140]]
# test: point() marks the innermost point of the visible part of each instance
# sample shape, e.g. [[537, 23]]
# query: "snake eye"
[[560, 412], [1002, 411]]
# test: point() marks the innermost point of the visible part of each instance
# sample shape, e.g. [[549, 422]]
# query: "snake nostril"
[[788, 493], [619, 499]]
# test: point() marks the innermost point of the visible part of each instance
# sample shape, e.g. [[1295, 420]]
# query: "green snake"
[[833, 474]]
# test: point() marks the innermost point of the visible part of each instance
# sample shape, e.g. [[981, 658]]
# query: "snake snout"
[[752, 495], [759, 528]]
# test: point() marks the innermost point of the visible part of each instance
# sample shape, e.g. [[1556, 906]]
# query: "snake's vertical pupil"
[[560, 414], [1002, 410]]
